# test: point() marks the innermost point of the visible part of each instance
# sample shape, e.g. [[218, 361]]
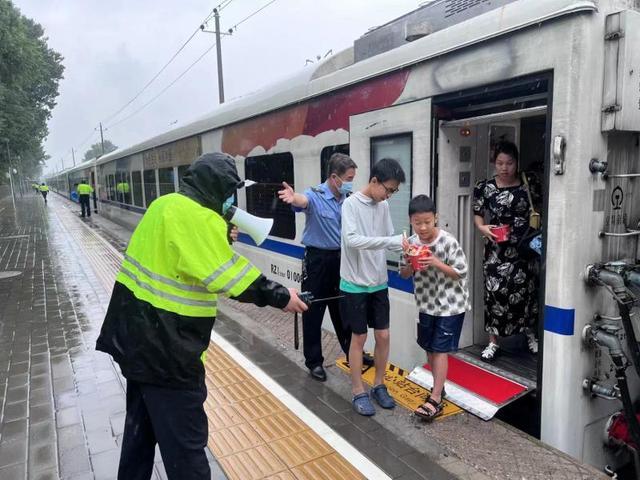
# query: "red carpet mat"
[[483, 383]]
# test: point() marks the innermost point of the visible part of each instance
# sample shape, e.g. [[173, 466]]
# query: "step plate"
[[475, 389]]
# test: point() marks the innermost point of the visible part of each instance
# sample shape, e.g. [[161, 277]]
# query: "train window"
[[111, 190], [165, 181], [262, 199], [150, 191], [181, 170], [325, 155], [136, 183], [398, 147], [123, 187]]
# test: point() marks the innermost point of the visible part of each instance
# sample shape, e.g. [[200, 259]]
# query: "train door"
[[464, 150]]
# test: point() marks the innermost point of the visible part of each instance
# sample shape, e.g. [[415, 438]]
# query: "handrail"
[[629, 233]]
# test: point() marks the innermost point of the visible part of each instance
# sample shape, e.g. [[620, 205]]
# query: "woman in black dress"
[[510, 271]]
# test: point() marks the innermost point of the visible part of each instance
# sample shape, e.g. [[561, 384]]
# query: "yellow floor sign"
[[405, 392]]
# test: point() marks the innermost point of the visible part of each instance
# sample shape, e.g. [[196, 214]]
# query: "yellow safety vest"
[[84, 189], [43, 188], [122, 187], [179, 259]]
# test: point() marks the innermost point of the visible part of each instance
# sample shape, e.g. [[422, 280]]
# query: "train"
[[436, 89]]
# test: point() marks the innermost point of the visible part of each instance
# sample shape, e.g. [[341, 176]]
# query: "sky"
[[113, 48]]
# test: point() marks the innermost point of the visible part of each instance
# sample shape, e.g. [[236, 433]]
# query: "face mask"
[[345, 188], [228, 203]]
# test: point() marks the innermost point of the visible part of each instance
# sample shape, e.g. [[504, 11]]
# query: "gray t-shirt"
[[437, 294], [367, 232]]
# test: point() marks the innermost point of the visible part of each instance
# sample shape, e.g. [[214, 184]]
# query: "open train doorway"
[[467, 126]]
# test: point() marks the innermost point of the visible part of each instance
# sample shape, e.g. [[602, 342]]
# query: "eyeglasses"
[[390, 191]]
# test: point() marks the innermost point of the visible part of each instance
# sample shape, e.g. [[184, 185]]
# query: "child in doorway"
[[441, 295], [367, 232]]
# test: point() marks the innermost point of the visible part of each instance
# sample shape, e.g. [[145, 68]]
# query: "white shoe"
[[490, 352], [532, 343]]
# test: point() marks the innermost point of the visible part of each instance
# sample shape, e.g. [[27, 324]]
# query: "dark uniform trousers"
[[173, 418], [321, 277], [85, 204]]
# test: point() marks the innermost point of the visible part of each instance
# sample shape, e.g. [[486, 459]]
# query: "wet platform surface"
[[63, 403]]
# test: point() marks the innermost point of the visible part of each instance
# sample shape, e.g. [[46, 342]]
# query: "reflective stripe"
[[168, 296], [237, 278], [160, 278], [221, 269]]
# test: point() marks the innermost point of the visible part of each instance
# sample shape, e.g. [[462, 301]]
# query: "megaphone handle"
[[296, 331]]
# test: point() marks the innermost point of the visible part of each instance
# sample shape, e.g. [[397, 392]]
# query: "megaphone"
[[258, 228]]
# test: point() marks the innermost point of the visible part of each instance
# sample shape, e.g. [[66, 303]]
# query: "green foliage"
[[96, 150], [29, 75]]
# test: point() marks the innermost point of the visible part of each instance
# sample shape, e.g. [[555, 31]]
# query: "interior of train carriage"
[[466, 126]]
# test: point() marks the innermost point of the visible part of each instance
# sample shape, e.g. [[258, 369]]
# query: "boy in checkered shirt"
[[441, 295]]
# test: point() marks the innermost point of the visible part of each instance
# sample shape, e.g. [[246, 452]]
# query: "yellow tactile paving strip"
[[104, 259], [254, 436], [405, 392]]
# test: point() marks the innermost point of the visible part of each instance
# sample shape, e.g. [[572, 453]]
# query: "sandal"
[[426, 413], [490, 352], [443, 395], [362, 404]]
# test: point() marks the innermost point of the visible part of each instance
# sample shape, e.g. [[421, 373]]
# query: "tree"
[[96, 150], [29, 75]]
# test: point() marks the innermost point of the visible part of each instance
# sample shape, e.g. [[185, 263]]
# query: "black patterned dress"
[[510, 268]]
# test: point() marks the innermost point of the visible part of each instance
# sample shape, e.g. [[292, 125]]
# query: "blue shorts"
[[439, 334]]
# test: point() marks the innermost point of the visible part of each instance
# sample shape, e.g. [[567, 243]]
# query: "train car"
[[436, 89], [64, 182]]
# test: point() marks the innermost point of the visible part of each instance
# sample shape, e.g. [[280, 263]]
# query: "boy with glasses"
[[367, 232]]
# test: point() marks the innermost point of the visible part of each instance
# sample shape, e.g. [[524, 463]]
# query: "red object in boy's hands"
[[417, 253]]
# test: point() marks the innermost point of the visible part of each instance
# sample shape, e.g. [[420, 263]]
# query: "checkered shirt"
[[436, 294]]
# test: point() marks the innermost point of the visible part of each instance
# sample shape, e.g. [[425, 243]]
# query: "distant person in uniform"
[[44, 190], [321, 262], [84, 193], [36, 188], [367, 231], [122, 189], [162, 309], [441, 295]]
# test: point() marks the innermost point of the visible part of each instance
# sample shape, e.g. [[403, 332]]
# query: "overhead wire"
[[251, 15], [163, 90], [221, 6], [173, 57]]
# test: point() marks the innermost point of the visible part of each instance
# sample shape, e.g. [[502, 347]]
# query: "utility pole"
[[73, 155], [219, 54], [216, 16], [101, 139]]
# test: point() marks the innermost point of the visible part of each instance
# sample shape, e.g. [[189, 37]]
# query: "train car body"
[[560, 78]]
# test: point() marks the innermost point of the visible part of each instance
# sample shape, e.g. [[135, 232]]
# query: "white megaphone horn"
[[257, 227]]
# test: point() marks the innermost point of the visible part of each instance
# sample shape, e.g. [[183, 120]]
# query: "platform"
[[63, 403]]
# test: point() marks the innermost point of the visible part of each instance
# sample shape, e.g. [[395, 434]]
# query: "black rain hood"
[[210, 180]]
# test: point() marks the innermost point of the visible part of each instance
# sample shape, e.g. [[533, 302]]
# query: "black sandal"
[[424, 412]]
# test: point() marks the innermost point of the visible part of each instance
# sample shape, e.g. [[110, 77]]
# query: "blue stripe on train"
[[559, 320], [295, 251]]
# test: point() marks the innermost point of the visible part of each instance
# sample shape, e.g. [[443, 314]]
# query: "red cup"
[[501, 232], [421, 252]]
